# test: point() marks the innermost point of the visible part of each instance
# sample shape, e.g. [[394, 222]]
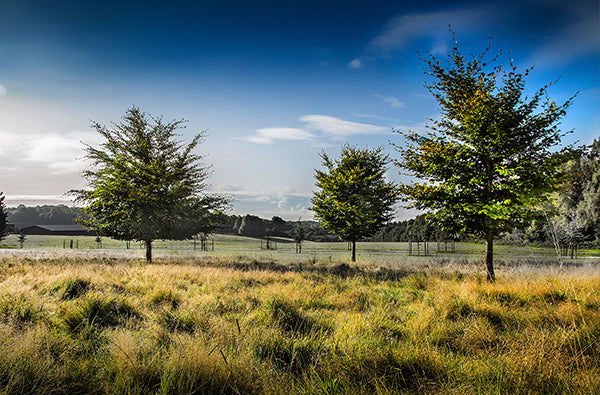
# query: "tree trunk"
[[149, 251], [489, 255], [353, 258]]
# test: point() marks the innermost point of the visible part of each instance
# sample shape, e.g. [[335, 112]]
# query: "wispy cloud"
[[357, 63], [336, 127], [317, 126], [577, 38], [391, 100], [401, 30], [286, 202], [59, 153], [270, 135]]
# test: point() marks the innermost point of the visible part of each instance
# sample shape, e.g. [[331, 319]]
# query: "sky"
[[273, 83]]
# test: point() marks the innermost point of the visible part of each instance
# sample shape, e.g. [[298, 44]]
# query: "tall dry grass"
[[108, 324]]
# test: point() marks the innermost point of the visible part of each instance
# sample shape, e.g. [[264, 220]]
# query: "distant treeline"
[[253, 226], [247, 225], [250, 225], [44, 215], [539, 232]]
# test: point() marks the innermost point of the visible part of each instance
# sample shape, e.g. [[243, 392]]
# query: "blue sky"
[[272, 82]]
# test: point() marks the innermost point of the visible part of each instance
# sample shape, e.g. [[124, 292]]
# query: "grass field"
[[234, 246], [240, 321]]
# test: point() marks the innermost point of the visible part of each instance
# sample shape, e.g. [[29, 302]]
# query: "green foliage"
[[21, 238], [3, 220], [354, 200], [298, 234], [252, 226], [578, 211], [490, 160], [44, 215], [146, 185]]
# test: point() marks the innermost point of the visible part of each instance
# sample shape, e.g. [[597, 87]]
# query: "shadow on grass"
[[342, 270]]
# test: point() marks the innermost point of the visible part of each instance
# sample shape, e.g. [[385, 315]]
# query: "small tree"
[[3, 218], [491, 159], [354, 200], [299, 235], [145, 184], [21, 239]]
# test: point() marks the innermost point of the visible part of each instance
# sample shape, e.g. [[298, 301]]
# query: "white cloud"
[[269, 135], [329, 126], [286, 202], [357, 63], [439, 49], [3, 90], [398, 32], [336, 127], [60, 153], [392, 101]]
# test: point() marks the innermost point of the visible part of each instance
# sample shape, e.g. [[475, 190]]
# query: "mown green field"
[[241, 321], [284, 249]]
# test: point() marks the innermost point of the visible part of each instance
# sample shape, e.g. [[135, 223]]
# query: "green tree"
[[489, 161], [252, 226], [3, 220], [578, 211], [21, 238], [146, 185], [355, 200], [299, 234]]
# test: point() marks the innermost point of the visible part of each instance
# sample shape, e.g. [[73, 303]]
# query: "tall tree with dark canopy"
[[146, 185], [355, 200], [3, 220], [490, 160]]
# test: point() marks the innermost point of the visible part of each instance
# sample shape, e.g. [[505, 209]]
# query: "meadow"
[[243, 320]]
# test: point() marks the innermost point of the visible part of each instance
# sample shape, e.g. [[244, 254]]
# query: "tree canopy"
[[489, 161], [146, 185], [355, 200]]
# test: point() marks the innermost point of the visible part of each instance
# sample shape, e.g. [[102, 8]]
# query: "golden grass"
[[109, 324]]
